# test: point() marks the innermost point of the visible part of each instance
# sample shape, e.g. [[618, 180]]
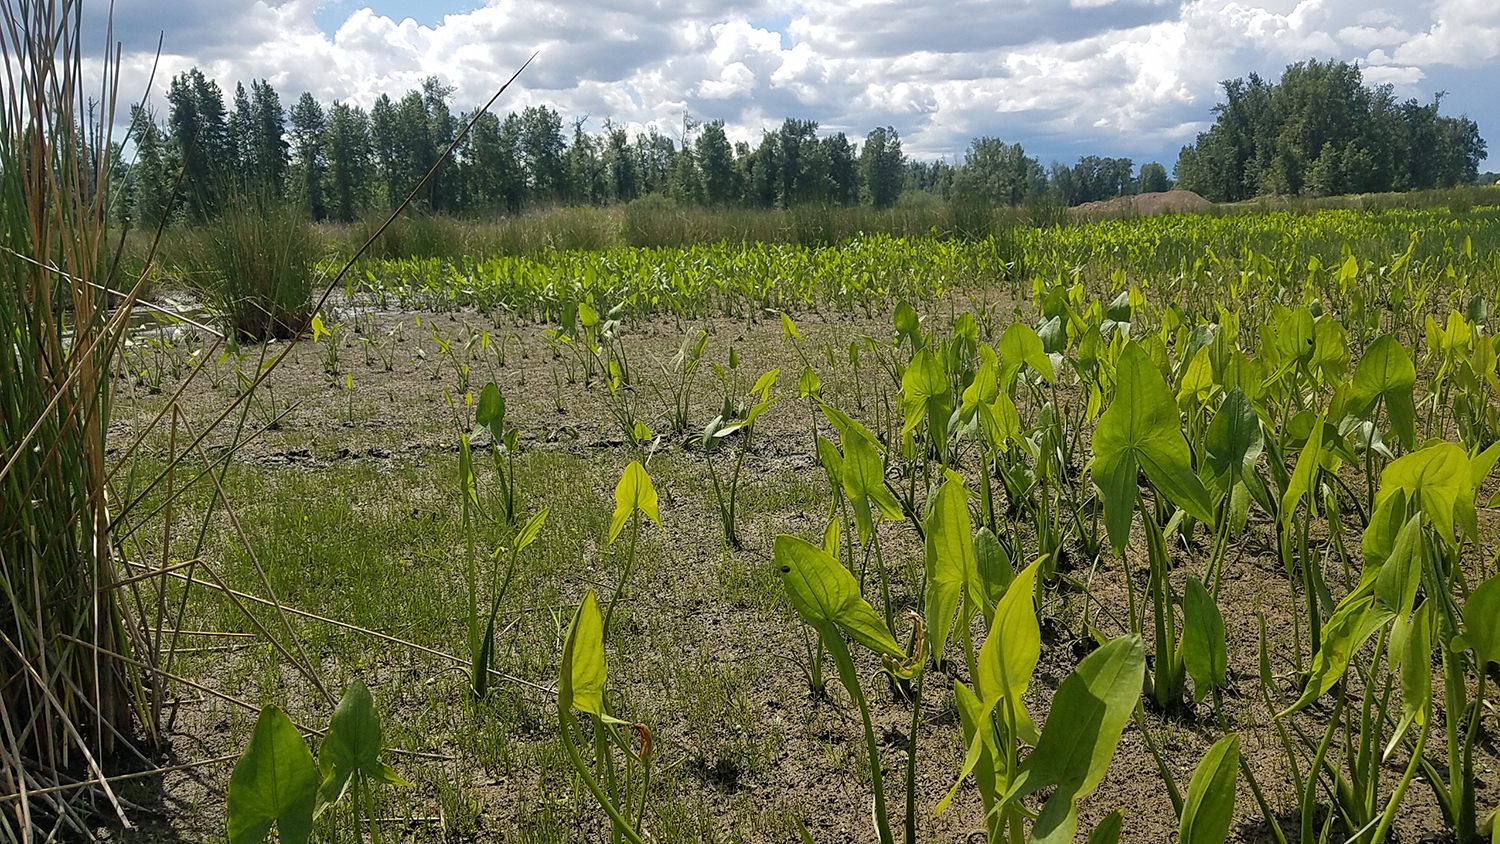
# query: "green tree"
[[308, 124], [995, 173], [542, 148], [843, 169], [347, 149], [153, 174], [620, 161], [882, 165], [1154, 178], [588, 178], [201, 142], [716, 162]]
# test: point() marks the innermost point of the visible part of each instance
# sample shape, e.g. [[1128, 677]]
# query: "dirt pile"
[[1143, 205]]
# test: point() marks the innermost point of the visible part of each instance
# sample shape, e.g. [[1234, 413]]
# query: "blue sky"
[[1065, 78]]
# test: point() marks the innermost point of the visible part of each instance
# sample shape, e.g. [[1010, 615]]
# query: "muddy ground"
[[708, 654]]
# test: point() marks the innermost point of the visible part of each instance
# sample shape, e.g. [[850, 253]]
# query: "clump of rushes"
[[66, 689], [255, 263]]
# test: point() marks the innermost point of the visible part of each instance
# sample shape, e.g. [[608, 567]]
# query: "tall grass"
[[68, 693], [256, 264]]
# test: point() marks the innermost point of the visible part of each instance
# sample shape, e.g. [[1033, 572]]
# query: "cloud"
[[1122, 77]]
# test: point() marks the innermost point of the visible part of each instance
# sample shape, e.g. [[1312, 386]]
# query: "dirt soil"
[[813, 754], [1143, 205]]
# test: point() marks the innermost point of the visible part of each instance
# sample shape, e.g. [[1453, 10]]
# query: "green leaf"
[[952, 569], [1439, 480], [1010, 652], [1302, 476], [1203, 647], [1108, 830], [925, 393], [995, 572], [809, 385], [1234, 440], [1401, 573], [352, 746], [580, 682], [1021, 345], [826, 594], [1083, 728], [1385, 525], [789, 328], [1482, 622], [1142, 428], [1351, 625], [275, 781], [633, 492], [1386, 371], [908, 326], [1411, 656], [530, 530], [491, 411], [1209, 807]]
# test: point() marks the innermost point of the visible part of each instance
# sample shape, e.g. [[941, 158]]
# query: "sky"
[[1065, 78]]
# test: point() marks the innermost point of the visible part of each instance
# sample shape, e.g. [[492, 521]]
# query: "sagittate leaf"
[[1020, 345], [825, 594], [275, 782], [1439, 480], [995, 572], [580, 682], [634, 492], [1141, 430], [1386, 371], [352, 746], [925, 393], [1209, 807], [1083, 728], [952, 568], [1203, 646]]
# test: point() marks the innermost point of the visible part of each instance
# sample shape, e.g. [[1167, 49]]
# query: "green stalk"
[[1389, 815], [569, 724], [911, 760], [850, 679], [635, 529]]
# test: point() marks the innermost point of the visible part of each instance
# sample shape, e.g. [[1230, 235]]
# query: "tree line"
[[1318, 131]]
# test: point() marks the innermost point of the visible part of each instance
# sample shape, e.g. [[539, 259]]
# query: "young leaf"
[[275, 781], [1356, 619], [1011, 650], [995, 572], [789, 328], [952, 568], [1411, 655], [633, 492], [1203, 647], [1234, 439], [491, 411], [1401, 572], [580, 682], [825, 594], [352, 746], [1209, 807], [1021, 345], [908, 326], [530, 530]]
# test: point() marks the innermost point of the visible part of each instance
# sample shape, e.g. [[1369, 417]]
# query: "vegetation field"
[[1145, 528]]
